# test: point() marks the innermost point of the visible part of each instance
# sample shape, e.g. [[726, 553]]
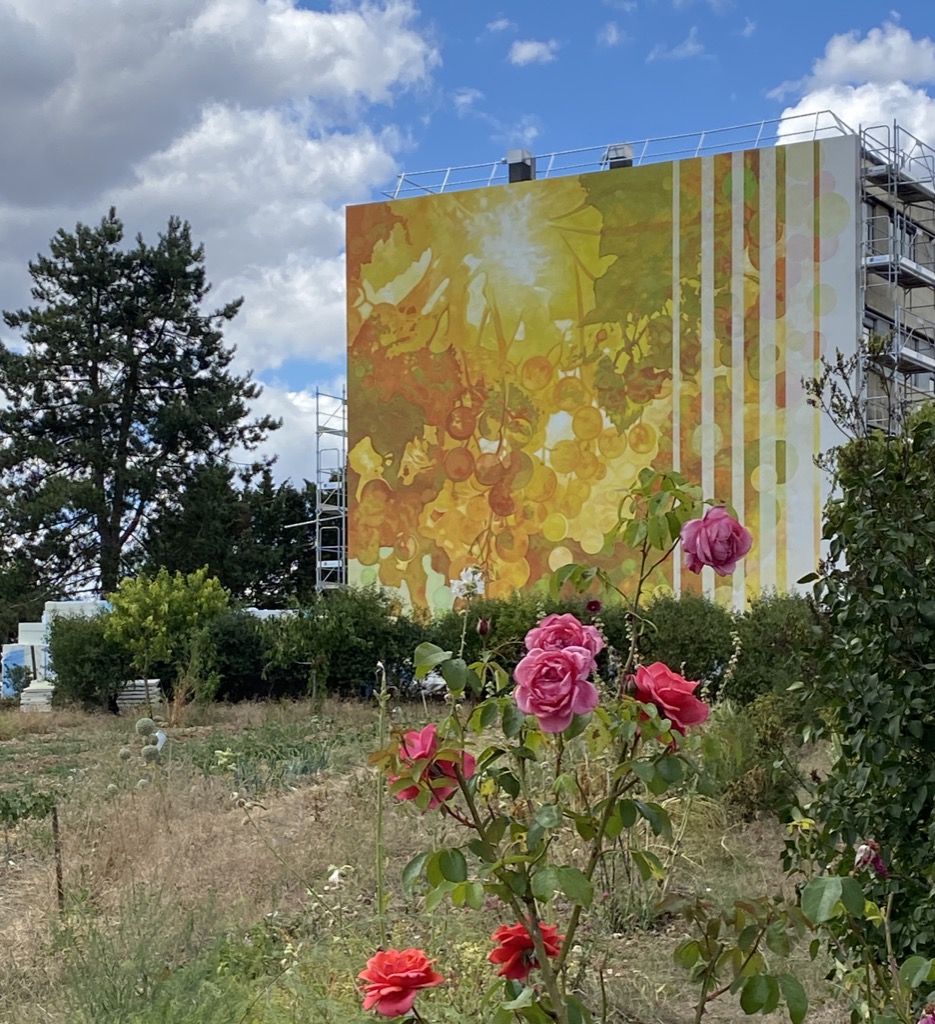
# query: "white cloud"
[[627, 6], [690, 46], [465, 98], [532, 51], [868, 80], [749, 27], [500, 25], [294, 446], [869, 104], [246, 117], [611, 34], [885, 54]]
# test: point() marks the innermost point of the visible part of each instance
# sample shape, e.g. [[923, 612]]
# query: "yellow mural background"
[[517, 354]]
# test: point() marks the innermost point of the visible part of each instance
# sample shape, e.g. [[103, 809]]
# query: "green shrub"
[[90, 668], [229, 657], [775, 637], [745, 762], [690, 634], [508, 621], [874, 688]]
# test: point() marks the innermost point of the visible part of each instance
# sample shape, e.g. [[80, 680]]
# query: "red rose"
[[517, 952], [556, 632], [672, 694], [553, 685], [393, 977], [423, 746], [717, 540]]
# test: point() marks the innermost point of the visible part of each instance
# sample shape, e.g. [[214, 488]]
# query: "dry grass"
[[198, 847]]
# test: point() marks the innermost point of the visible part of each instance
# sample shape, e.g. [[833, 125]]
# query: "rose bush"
[[717, 540], [581, 762], [394, 977]]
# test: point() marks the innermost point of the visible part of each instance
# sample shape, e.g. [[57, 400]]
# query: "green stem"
[[382, 700], [529, 912]]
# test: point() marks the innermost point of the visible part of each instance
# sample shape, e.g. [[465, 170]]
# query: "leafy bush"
[[874, 684], [775, 637], [508, 622], [228, 657], [90, 667], [687, 631]]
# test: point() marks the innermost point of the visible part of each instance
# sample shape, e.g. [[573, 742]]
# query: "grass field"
[[234, 883]]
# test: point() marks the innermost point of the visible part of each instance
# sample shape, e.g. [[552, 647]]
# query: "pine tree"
[[122, 391]]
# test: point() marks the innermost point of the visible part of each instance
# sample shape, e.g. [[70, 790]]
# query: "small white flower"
[[470, 584]]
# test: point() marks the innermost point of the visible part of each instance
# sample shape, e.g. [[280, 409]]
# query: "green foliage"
[[688, 631], [123, 388], [237, 528], [265, 757], [875, 684], [152, 965], [90, 664], [333, 645], [23, 802], [508, 620], [232, 651], [156, 618], [776, 637], [746, 756]]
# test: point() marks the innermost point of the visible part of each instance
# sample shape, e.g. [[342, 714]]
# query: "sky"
[[260, 121]]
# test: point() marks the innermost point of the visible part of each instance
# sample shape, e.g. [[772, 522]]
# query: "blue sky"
[[531, 72], [259, 120]]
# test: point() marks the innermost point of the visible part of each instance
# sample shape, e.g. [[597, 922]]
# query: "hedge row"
[[333, 646]]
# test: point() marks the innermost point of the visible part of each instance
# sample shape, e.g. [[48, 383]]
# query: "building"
[[525, 337]]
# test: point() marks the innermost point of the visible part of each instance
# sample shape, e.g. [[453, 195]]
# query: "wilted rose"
[[423, 746], [483, 627], [672, 694], [516, 951], [394, 978], [555, 632], [553, 685], [867, 855], [717, 540]]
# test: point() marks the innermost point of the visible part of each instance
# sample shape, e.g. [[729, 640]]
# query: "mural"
[[517, 354]]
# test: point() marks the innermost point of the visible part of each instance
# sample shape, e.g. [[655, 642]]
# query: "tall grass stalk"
[[382, 701]]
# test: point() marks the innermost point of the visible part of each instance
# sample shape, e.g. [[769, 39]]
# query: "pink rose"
[[717, 540], [672, 694], [556, 632], [553, 685], [423, 746]]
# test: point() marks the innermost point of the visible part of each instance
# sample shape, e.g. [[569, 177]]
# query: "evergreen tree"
[[123, 390], [239, 529]]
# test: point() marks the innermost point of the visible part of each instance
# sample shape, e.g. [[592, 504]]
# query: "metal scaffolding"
[[897, 272], [330, 491]]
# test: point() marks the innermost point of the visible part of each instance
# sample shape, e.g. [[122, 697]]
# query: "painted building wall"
[[517, 354]]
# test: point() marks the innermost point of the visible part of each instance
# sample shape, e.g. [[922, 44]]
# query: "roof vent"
[[521, 165], [618, 155]]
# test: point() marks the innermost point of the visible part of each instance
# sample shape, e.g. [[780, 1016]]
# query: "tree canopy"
[[243, 531], [122, 390]]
